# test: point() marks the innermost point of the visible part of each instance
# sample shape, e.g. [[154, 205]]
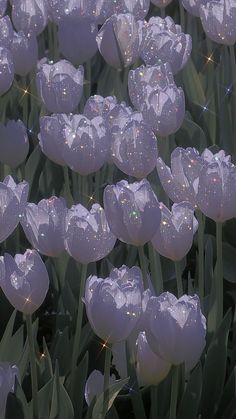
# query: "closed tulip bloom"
[[180, 181], [218, 20], [30, 16], [3, 7], [86, 144], [134, 147], [59, 9], [99, 106], [114, 304], [60, 86], [119, 40], [216, 187], [43, 225], [174, 237], [87, 235], [24, 280], [6, 70], [151, 369], [95, 385], [8, 374], [176, 328], [24, 49], [51, 137], [13, 136], [161, 3], [13, 199], [138, 8], [163, 40], [193, 6], [102, 10], [6, 32], [72, 33], [132, 211]]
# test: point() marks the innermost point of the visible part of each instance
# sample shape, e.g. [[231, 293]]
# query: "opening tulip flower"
[[114, 304], [99, 106]]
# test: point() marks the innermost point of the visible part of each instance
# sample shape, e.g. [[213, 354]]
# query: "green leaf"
[[80, 381], [192, 84], [190, 402], [61, 406], [190, 134], [33, 169], [216, 358], [229, 393], [5, 343], [44, 399], [229, 262], [114, 389]]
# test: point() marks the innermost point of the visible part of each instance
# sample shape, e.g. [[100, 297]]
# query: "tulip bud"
[[77, 39], [13, 199], [99, 106], [151, 369], [218, 20], [132, 211], [86, 144], [30, 16], [161, 3], [114, 304], [13, 136], [163, 41], [138, 8], [180, 182], [193, 6], [24, 49], [25, 280], [3, 7], [43, 225], [134, 146], [8, 375], [60, 86], [6, 70], [176, 328], [216, 188], [174, 237], [95, 385], [51, 137], [87, 235], [6, 32], [118, 40]]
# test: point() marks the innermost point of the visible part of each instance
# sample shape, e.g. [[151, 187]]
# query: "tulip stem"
[[154, 402], [143, 266], [76, 344], [219, 273], [67, 186], [107, 368], [178, 274], [174, 393], [200, 240], [33, 370], [156, 269]]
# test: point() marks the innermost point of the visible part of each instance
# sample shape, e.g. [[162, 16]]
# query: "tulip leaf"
[[44, 399], [7, 336], [190, 134], [192, 84], [80, 380], [216, 356], [21, 397], [14, 408], [61, 406], [114, 390], [229, 393], [33, 169], [62, 351], [229, 262], [190, 402]]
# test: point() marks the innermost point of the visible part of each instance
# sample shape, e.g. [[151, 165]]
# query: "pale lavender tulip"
[[119, 40], [102, 10], [24, 280], [43, 225], [3, 7], [99, 106], [13, 199], [151, 369], [30, 16], [13, 136], [72, 33], [218, 20], [6, 70], [60, 86], [6, 32], [132, 211], [163, 40], [51, 137], [134, 146], [8, 374], [87, 235], [193, 6], [114, 304], [174, 237], [161, 3], [176, 328], [60, 9], [95, 385], [117, 114], [180, 182], [216, 187], [86, 144], [138, 8], [24, 49]]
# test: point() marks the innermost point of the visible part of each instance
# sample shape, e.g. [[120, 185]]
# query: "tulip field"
[[118, 209]]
